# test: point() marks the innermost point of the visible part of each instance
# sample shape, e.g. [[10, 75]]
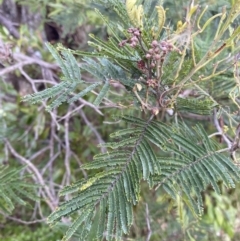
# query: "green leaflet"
[[47, 93], [202, 107], [105, 163], [65, 64], [72, 229], [84, 92], [122, 207], [62, 97], [102, 219], [126, 142], [118, 224], [129, 131], [102, 94], [111, 217], [110, 155]]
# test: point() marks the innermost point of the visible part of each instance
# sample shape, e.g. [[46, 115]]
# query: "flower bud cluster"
[[153, 53], [135, 34], [133, 40], [157, 50], [165, 46]]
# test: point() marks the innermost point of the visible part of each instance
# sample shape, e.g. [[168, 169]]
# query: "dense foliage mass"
[[165, 83]]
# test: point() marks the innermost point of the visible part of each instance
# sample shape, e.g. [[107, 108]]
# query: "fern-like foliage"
[[71, 77], [162, 70], [14, 189], [114, 190], [102, 69], [191, 163], [195, 163]]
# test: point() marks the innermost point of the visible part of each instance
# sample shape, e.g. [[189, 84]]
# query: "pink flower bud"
[[133, 44], [148, 56], [153, 65], [164, 43], [154, 43], [150, 51], [164, 49], [136, 33], [134, 39]]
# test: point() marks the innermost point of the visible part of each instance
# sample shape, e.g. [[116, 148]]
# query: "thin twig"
[[25, 222], [38, 153], [94, 130], [219, 129], [90, 105], [14, 67], [50, 162], [148, 224], [31, 81], [37, 176], [67, 149], [69, 113], [32, 60], [80, 164], [52, 156]]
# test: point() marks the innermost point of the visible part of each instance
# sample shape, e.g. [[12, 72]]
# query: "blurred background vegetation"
[[57, 143]]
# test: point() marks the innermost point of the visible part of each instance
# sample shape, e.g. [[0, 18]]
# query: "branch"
[[22, 57], [15, 67], [67, 150], [38, 177], [219, 129], [93, 129], [24, 222], [148, 224]]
